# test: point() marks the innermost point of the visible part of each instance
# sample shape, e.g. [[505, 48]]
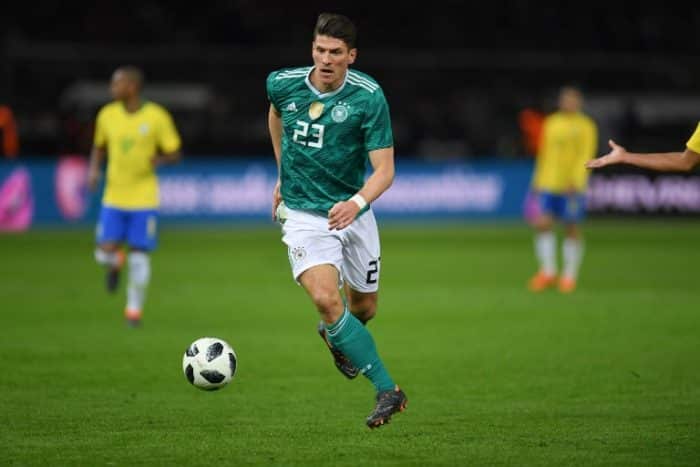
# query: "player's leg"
[[361, 271], [361, 304], [141, 235], [572, 247], [545, 244], [321, 284], [310, 243], [361, 266], [316, 257], [346, 333], [111, 232]]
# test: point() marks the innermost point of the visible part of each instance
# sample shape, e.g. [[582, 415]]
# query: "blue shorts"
[[136, 228], [570, 209]]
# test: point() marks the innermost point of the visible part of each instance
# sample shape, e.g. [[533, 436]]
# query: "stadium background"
[[458, 79], [495, 375]]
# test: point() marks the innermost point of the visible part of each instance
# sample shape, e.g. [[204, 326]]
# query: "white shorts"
[[354, 251]]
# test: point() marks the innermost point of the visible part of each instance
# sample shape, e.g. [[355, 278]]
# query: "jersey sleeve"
[[694, 142], [271, 90], [376, 126], [100, 138], [168, 137]]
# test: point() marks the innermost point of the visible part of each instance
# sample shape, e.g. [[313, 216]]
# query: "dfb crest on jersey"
[[315, 110], [339, 113], [297, 253]]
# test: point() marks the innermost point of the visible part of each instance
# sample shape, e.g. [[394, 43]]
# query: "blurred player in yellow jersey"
[[136, 136], [660, 161], [569, 140]]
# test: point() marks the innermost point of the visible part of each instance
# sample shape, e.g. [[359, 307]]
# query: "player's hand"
[[342, 214], [160, 159], [163, 158], [93, 177], [276, 200], [613, 157]]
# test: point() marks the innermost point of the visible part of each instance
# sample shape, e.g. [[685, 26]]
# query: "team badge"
[[315, 110], [143, 129], [339, 113], [126, 144], [298, 253]]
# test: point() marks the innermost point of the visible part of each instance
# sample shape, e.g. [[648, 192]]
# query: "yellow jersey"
[[694, 142], [132, 140], [568, 141]]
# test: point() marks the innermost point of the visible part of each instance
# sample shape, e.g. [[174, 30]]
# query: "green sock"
[[353, 339]]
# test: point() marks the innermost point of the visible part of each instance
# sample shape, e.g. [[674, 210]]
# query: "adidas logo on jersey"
[[291, 107]]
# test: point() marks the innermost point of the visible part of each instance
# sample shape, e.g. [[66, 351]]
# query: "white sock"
[[139, 275], [106, 258], [546, 251], [573, 254]]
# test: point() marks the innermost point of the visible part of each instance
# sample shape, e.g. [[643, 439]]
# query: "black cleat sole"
[[383, 412], [386, 420]]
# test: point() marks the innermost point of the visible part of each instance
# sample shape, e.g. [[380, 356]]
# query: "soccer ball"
[[209, 363]]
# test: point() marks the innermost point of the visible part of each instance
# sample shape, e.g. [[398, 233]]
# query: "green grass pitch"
[[495, 375]]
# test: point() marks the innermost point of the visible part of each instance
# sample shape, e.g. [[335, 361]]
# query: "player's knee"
[[572, 231], [543, 223], [365, 313], [328, 302], [363, 306], [103, 257]]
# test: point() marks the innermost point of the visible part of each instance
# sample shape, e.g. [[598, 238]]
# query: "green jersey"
[[326, 137]]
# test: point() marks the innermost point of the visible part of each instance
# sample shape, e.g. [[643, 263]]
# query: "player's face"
[[331, 60], [570, 100], [121, 86]]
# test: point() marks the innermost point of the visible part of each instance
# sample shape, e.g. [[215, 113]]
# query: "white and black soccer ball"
[[209, 363]]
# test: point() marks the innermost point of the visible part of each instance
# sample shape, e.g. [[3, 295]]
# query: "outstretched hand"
[[613, 157]]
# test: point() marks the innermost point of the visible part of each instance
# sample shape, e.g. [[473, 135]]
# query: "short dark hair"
[[337, 26]]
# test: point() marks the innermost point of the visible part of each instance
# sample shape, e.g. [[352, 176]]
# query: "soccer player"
[[137, 136], [663, 162], [326, 123], [569, 139]]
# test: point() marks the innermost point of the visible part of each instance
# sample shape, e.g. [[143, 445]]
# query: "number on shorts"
[[373, 271]]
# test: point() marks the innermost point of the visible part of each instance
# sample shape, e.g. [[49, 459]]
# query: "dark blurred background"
[[458, 75]]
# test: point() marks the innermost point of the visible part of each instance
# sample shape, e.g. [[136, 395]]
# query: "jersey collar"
[[323, 95], [142, 103]]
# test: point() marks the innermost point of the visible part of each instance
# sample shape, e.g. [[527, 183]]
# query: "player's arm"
[[382, 177], [662, 162], [163, 158], [169, 142], [99, 150], [343, 213], [274, 123], [97, 157]]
